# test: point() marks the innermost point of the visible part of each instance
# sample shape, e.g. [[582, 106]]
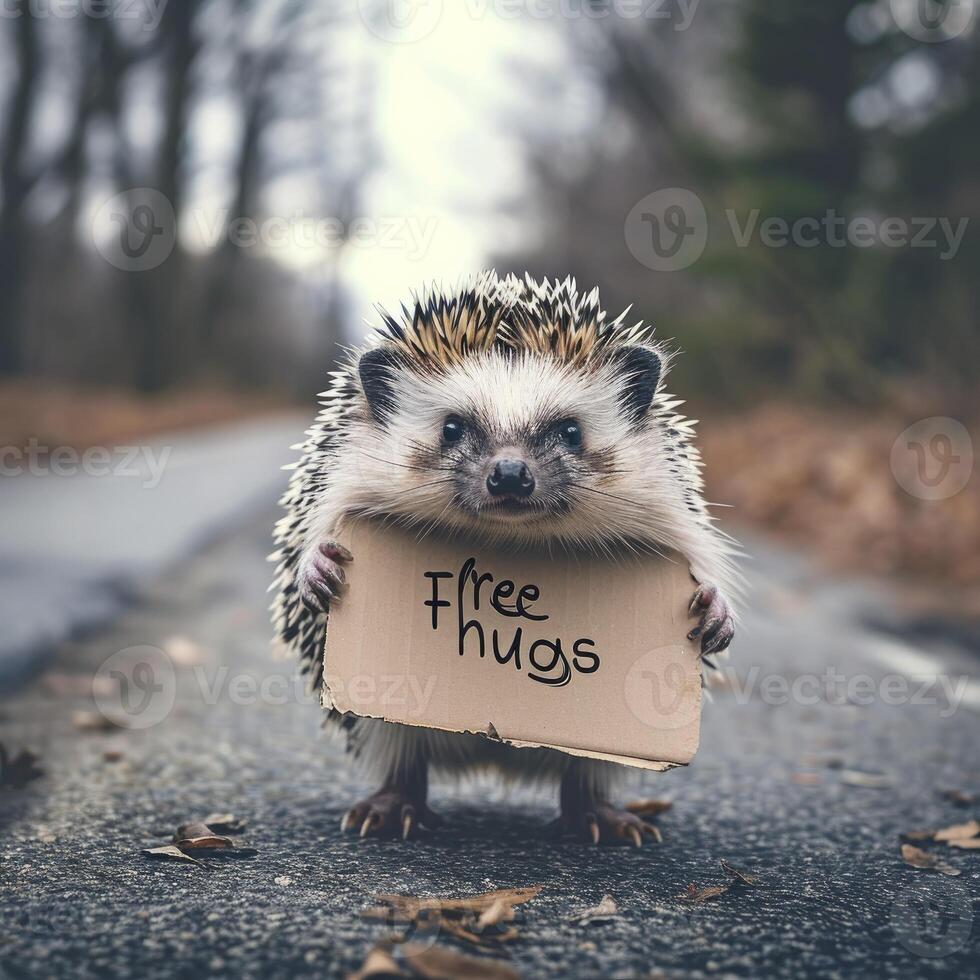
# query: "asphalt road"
[[833, 897], [76, 537]]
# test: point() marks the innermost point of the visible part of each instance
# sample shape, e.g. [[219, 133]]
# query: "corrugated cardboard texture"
[[625, 684]]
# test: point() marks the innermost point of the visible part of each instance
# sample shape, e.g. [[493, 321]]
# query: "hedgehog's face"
[[512, 444]]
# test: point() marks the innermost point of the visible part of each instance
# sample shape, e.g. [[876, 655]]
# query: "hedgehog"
[[513, 411]]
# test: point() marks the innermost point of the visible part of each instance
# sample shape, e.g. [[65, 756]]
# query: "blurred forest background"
[[527, 140]]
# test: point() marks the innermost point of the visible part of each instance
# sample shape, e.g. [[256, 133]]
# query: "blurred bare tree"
[[791, 111], [105, 105]]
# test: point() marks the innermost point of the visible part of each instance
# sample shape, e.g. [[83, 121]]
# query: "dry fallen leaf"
[[172, 853], [915, 857], [78, 685], [94, 721], [603, 912], [696, 896], [959, 798], [224, 823], [411, 904], [183, 651], [500, 911], [197, 836], [202, 839], [966, 843], [744, 878], [958, 831], [807, 778], [441, 963], [379, 964], [476, 919], [18, 770], [868, 780], [916, 834], [648, 808], [822, 762]]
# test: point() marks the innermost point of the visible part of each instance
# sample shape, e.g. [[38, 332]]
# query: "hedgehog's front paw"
[[717, 625], [323, 577], [390, 812]]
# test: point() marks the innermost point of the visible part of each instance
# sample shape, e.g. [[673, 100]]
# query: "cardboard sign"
[[582, 654]]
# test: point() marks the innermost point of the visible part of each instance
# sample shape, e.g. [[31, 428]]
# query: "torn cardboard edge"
[[606, 642]]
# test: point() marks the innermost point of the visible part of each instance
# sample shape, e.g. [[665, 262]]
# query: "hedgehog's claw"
[[604, 823], [717, 626], [324, 578], [389, 813]]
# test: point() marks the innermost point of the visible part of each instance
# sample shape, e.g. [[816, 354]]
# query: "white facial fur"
[[607, 491]]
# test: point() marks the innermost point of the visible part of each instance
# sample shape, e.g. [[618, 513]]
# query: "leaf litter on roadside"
[[958, 831], [201, 838], [95, 721], [603, 912], [745, 879], [866, 780], [16, 771], [168, 852], [224, 823], [477, 919], [429, 963], [958, 798], [697, 896], [915, 857], [963, 835]]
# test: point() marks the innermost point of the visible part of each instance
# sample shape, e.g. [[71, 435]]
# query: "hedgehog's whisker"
[[605, 493], [408, 466], [424, 486]]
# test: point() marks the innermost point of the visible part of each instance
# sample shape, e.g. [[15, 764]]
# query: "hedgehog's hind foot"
[[391, 812], [603, 823]]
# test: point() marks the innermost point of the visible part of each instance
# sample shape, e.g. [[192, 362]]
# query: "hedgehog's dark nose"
[[510, 477]]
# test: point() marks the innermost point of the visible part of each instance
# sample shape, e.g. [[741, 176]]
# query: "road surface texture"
[[808, 794], [74, 542]]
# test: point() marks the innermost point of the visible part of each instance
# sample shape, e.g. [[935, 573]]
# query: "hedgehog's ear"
[[376, 369], [639, 368]]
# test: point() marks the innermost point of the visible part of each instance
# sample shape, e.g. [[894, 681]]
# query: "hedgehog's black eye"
[[569, 433], [453, 429]]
